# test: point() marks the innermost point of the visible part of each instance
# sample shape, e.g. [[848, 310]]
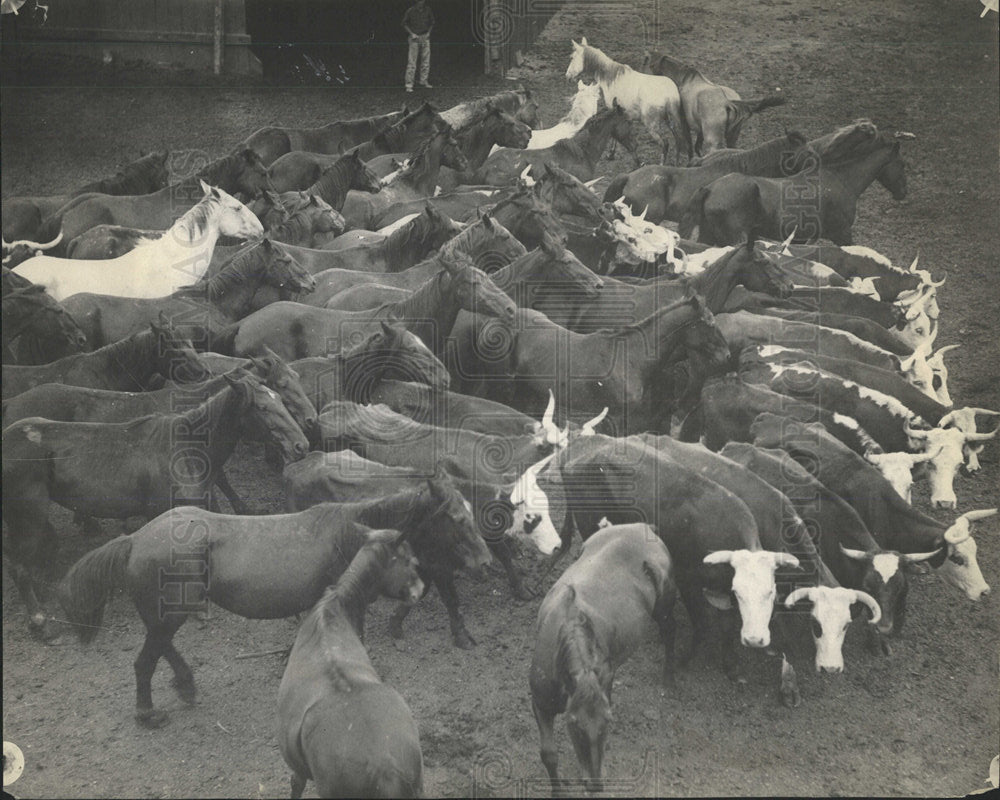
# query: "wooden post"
[[217, 39]]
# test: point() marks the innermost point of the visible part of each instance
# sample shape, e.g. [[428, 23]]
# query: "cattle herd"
[[455, 338]]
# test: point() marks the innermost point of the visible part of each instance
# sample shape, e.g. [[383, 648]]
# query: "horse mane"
[[331, 184], [842, 144], [223, 171], [418, 229], [235, 272], [195, 220], [378, 422], [298, 225], [756, 158], [683, 72], [595, 61]]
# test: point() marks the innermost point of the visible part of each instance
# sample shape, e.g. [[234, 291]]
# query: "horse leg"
[[145, 666], [298, 785], [502, 550], [663, 613], [29, 540], [449, 596], [239, 506], [549, 751], [183, 680]]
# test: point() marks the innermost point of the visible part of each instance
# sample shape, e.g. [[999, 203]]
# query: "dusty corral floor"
[[922, 722]]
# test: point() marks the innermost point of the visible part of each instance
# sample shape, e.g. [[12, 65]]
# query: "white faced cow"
[[949, 445], [831, 615], [897, 468]]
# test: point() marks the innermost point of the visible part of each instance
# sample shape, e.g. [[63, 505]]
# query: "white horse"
[[652, 98], [156, 267], [583, 107]]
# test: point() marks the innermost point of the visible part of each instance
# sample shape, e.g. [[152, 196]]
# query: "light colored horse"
[[584, 106], [652, 98], [156, 267]]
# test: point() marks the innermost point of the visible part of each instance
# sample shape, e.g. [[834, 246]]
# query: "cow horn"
[[959, 531], [718, 557], [550, 411], [919, 458], [868, 600], [981, 437], [904, 135], [935, 284], [802, 593], [983, 513], [590, 184], [788, 241], [785, 560], [911, 558], [856, 555], [874, 458], [588, 427], [916, 259], [907, 363], [914, 433], [949, 418], [34, 245], [987, 411], [642, 216], [944, 349]]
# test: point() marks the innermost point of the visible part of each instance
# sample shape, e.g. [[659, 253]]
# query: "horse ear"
[[341, 148], [386, 328], [487, 221], [204, 186]]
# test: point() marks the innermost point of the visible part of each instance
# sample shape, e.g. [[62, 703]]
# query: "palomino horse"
[[714, 114], [155, 269], [590, 622], [652, 98], [415, 181], [237, 173], [578, 155], [294, 330], [294, 555], [729, 208], [39, 325], [273, 141], [664, 192], [338, 724], [23, 216], [201, 309], [582, 108], [490, 245], [119, 470], [125, 366]]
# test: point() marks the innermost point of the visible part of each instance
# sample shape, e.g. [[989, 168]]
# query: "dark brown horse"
[[476, 140], [734, 206], [294, 555], [631, 371], [23, 216], [590, 622], [402, 136], [36, 328], [714, 114], [294, 330], [240, 172], [273, 141], [577, 155], [338, 724], [120, 470], [417, 180], [663, 192], [125, 366], [330, 177]]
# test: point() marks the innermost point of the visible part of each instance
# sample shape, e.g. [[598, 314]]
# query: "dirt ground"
[[924, 721]]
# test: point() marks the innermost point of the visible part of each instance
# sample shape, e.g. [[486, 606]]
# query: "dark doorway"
[[356, 42]]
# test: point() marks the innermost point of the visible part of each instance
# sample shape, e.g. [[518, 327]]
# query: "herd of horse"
[[417, 298]]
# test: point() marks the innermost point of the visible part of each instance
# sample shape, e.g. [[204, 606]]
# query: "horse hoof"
[[885, 647], [790, 698], [151, 718], [464, 641], [185, 691], [524, 594]]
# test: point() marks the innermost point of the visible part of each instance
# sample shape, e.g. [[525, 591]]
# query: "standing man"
[[418, 21]]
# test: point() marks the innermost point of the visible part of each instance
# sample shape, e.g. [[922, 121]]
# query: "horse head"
[[276, 374], [475, 291], [402, 355], [575, 68], [264, 408]]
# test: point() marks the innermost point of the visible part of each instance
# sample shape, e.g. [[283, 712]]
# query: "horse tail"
[[693, 214], [224, 341], [616, 188], [85, 590]]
